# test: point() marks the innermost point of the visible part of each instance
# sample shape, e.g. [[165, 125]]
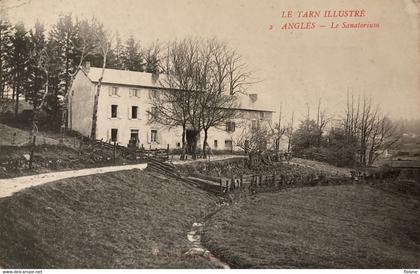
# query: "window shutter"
[[138, 112], [159, 137], [129, 112], [108, 135], [109, 91], [148, 136], [108, 110]]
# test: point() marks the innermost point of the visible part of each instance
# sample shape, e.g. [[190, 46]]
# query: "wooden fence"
[[253, 182]]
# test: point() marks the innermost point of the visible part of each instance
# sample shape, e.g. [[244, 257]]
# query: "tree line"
[[37, 64], [355, 137]]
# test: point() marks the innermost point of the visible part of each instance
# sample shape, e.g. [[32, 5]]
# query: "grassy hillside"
[[348, 226], [8, 135], [115, 220]]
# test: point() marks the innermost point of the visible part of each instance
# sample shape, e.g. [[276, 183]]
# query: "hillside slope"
[[116, 220], [347, 226], [8, 135]]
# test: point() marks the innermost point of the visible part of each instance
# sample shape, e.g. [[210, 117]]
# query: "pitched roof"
[[124, 77], [145, 79]]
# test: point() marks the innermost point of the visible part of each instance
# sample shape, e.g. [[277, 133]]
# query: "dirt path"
[[12, 185], [212, 159]]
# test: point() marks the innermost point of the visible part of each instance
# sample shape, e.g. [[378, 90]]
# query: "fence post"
[[32, 151], [167, 152], [14, 139], [274, 179], [242, 181]]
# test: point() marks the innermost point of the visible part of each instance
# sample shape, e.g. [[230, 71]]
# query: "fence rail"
[[253, 182]]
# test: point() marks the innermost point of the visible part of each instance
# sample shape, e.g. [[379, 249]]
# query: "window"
[[230, 126], [215, 144], [262, 115], [178, 145], [114, 134], [134, 110], [113, 91], [134, 92], [114, 111], [228, 144], [153, 135], [254, 124]]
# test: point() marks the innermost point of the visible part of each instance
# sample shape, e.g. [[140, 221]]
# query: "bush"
[[341, 157]]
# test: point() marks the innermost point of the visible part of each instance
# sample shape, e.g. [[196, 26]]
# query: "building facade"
[[123, 112]]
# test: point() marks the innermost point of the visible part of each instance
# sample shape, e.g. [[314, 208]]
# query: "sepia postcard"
[[209, 134]]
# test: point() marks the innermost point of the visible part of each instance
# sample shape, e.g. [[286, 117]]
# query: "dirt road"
[[12, 185]]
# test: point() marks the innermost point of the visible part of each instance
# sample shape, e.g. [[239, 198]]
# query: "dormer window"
[[113, 91], [254, 124], [134, 92]]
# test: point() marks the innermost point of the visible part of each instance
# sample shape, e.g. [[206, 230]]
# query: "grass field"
[[115, 220], [348, 226], [19, 136]]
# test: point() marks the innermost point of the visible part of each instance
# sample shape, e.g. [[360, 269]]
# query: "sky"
[[292, 68]]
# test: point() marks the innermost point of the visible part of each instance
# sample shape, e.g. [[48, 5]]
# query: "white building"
[[124, 106]]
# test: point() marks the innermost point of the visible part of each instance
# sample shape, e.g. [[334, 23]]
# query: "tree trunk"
[[17, 104], [183, 142], [95, 102], [205, 143], [195, 142]]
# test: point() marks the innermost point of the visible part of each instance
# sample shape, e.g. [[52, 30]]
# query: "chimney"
[[87, 66], [253, 97]]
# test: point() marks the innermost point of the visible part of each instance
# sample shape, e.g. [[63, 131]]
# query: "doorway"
[[134, 138], [189, 136]]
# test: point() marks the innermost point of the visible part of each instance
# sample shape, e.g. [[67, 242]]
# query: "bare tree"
[[238, 73], [322, 121], [278, 131], [218, 102], [254, 141], [104, 38], [88, 39], [383, 137], [289, 133], [205, 75], [86, 43], [367, 129], [173, 105]]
